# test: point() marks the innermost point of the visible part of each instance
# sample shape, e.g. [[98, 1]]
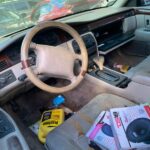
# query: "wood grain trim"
[[111, 19], [83, 73], [25, 64], [142, 12]]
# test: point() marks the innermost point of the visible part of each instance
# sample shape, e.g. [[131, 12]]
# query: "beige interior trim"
[[135, 92]]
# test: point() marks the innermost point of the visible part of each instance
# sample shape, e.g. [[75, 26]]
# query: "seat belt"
[[85, 117], [77, 126]]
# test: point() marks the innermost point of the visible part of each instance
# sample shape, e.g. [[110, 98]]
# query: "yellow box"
[[50, 120]]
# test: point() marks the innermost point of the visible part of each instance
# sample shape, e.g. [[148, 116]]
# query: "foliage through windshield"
[[16, 15]]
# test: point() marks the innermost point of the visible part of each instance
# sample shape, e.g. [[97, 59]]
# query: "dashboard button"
[[22, 77], [3, 80], [6, 78]]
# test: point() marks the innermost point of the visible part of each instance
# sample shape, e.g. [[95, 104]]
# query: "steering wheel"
[[54, 61]]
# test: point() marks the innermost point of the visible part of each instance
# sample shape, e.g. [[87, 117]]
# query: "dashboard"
[[11, 55], [103, 36]]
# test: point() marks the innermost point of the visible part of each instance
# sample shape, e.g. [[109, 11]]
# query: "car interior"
[[96, 59]]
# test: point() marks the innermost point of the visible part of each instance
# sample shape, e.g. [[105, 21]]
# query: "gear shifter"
[[100, 62]]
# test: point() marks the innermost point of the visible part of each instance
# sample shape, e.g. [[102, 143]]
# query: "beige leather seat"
[[71, 134], [142, 69]]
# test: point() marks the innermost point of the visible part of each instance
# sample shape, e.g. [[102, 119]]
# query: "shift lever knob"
[[100, 62]]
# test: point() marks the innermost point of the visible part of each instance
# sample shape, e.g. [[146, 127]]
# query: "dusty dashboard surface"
[[103, 36]]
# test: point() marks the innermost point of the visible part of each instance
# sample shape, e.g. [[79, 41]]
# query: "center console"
[[107, 75], [111, 33], [111, 77]]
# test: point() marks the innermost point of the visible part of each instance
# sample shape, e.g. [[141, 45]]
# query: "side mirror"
[[141, 3]]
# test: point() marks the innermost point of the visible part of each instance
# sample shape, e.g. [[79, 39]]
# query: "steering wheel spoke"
[[33, 45], [35, 70], [78, 57]]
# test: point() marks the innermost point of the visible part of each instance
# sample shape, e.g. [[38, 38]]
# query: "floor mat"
[[26, 108], [29, 106]]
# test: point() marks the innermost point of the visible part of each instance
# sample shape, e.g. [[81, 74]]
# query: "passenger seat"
[[142, 69]]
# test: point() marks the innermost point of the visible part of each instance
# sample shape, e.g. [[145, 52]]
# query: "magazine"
[[101, 132], [131, 127]]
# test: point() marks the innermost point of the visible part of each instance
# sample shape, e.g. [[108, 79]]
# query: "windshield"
[[16, 15]]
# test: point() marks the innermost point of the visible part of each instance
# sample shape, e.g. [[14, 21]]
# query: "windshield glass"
[[16, 15]]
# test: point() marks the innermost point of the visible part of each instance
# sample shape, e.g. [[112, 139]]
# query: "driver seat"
[[71, 134]]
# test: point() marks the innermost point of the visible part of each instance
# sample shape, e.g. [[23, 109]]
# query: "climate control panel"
[[7, 78]]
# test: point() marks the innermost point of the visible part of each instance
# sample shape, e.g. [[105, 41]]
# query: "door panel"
[[143, 25]]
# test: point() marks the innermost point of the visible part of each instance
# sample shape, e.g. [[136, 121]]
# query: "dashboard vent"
[[3, 65]]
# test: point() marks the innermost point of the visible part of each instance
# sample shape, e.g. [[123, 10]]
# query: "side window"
[[131, 3], [138, 3], [142, 3]]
